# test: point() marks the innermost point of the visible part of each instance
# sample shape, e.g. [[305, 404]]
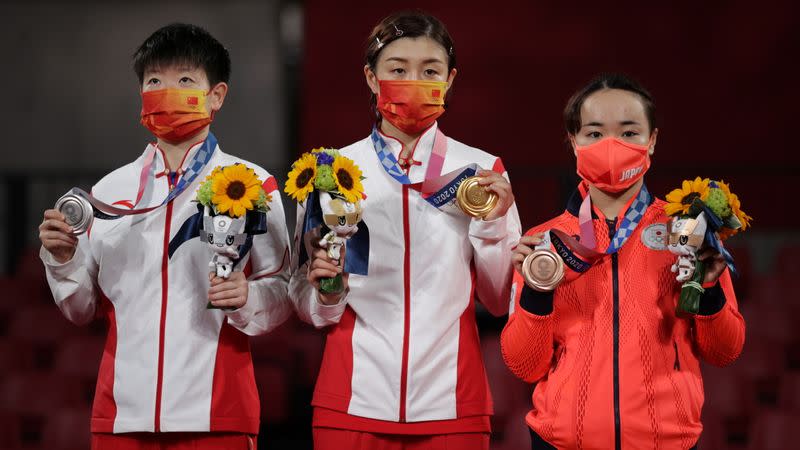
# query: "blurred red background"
[[719, 71]]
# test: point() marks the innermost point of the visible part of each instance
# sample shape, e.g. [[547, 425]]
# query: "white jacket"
[[403, 346], [169, 363]]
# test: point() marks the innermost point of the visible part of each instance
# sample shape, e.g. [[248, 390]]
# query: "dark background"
[[722, 73]]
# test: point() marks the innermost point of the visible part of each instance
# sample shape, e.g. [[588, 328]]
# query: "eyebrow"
[[598, 124], [426, 61]]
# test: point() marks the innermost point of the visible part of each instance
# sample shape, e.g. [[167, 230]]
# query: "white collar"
[[421, 153], [160, 161]]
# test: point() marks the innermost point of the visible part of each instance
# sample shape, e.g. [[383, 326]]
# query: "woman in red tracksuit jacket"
[[614, 366]]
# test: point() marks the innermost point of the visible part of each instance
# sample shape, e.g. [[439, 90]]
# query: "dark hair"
[[181, 43], [572, 113], [407, 24]]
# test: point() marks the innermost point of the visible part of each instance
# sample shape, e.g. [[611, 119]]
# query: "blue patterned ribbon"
[[387, 159], [631, 220]]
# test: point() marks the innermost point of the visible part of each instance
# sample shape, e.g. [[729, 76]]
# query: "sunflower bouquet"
[[330, 186], [704, 213], [234, 206]]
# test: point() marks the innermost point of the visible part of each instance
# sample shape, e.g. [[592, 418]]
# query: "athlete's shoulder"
[[564, 221], [655, 212], [471, 154], [356, 147], [226, 159]]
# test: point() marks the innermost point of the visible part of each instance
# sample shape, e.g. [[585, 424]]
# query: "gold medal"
[[474, 199], [543, 270]]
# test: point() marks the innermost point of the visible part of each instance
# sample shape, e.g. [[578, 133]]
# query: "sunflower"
[[736, 205], [679, 200], [236, 189], [213, 173], [348, 178], [301, 178]]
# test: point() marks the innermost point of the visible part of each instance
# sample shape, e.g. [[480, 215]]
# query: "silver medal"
[[77, 211]]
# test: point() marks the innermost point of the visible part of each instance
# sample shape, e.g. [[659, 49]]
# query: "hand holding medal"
[[540, 266], [486, 196]]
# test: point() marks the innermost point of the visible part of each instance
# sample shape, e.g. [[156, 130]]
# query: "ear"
[[216, 96], [451, 77], [573, 144], [372, 80], [653, 139]]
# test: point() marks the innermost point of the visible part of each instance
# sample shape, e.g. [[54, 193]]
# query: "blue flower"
[[323, 158]]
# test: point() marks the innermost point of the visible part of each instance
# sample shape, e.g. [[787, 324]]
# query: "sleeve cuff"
[[57, 269], [496, 229], [535, 302], [712, 301], [329, 312], [242, 316]]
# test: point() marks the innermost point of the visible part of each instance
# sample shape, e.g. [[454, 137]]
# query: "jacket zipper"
[[406, 304], [163, 319], [677, 359], [612, 228]]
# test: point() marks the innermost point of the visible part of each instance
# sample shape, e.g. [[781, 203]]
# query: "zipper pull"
[[612, 227]]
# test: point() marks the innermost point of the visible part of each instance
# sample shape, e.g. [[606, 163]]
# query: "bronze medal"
[[543, 270], [473, 199], [77, 211]]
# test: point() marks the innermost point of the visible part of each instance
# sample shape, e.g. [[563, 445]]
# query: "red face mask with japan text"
[[612, 165]]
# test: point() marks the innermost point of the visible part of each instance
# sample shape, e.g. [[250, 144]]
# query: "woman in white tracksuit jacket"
[[402, 362]]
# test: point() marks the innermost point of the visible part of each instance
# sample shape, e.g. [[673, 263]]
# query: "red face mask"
[[613, 165], [175, 115], [411, 105]]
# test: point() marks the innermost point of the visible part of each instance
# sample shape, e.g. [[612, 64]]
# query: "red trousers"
[[173, 441], [334, 439]]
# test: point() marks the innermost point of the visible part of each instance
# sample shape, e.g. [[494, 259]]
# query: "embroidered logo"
[[655, 236]]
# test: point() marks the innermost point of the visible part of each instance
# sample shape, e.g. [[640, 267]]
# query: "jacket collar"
[[160, 160], [575, 200], [418, 156]]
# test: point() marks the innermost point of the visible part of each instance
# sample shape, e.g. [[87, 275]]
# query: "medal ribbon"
[[437, 189], [196, 165], [581, 255]]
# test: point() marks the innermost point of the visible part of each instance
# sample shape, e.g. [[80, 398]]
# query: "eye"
[[630, 133], [153, 82], [186, 80], [594, 134], [431, 72], [342, 221], [229, 240], [683, 240], [399, 71], [210, 238]]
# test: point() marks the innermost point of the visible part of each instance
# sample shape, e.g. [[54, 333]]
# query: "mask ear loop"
[[213, 111]]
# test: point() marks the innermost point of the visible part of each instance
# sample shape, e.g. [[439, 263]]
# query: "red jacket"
[[615, 367]]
